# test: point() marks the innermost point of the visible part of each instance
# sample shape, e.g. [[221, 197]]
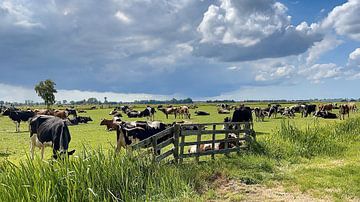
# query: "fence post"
[[213, 142], [154, 145], [176, 132], [181, 145], [198, 140], [226, 138]]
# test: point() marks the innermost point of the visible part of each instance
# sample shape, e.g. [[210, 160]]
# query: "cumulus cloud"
[[250, 30], [354, 58], [329, 42], [317, 72], [345, 19]]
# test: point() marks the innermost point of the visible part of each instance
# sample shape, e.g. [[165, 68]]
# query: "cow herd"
[[50, 127]]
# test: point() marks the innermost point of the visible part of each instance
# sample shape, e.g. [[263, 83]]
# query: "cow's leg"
[[42, 152], [31, 148]]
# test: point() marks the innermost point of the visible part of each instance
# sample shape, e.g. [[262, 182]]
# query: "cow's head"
[[62, 154]]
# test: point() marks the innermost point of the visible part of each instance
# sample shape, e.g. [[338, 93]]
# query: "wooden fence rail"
[[179, 133]]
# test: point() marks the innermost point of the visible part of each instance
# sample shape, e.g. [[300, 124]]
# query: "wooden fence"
[[209, 134]]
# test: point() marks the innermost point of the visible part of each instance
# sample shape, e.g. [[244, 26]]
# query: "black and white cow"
[[308, 109], [17, 116], [128, 132], [148, 112], [325, 114], [49, 131], [259, 114], [202, 113]]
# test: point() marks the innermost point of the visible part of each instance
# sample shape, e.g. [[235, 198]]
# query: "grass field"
[[309, 157]]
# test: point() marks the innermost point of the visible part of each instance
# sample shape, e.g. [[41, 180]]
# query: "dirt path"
[[237, 191]]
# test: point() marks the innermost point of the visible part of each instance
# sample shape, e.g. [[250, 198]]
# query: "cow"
[[110, 124], [343, 110], [132, 114], [92, 107], [44, 112], [259, 114], [183, 111], [202, 113], [82, 111], [352, 107], [326, 107], [17, 116], [217, 146], [49, 131], [169, 110], [71, 112], [148, 112], [308, 109], [296, 108], [80, 119], [223, 111], [242, 114], [63, 114], [325, 114], [128, 132], [273, 110], [288, 113]]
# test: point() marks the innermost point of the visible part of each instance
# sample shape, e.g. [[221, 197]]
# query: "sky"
[[203, 49]]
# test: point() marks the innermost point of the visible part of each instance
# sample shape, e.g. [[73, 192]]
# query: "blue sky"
[[222, 49]]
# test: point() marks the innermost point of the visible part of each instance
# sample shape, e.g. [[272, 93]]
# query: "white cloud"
[[250, 30], [13, 93], [345, 19], [122, 17], [317, 72], [354, 58], [328, 43]]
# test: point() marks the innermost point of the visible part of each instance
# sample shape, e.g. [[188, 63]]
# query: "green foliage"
[[94, 175], [46, 89]]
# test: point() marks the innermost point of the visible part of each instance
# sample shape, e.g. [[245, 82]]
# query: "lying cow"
[[80, 119], [325, 114], [17, 116], [223, 111], [308, 109], [202, 113], [49, 131], [217, 146]]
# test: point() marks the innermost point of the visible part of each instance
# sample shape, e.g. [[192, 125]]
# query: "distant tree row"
[[172, 101]]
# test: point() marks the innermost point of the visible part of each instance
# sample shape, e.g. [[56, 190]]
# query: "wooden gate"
[[183, 136]]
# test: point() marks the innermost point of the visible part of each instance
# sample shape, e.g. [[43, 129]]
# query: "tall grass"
[[92, 176], [292, 142]]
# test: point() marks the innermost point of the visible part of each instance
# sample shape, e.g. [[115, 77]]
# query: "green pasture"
[[312, 156]]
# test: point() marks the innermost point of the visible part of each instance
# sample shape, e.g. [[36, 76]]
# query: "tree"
[[92, 101], [105, 99], [46, 89]]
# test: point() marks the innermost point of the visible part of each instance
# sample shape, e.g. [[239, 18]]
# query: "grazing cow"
[[296, 108], [110, 124], [49, 131], [273, 110], [326, 107], [343, 110], [308, 109], [352, 107], [325, 114], [148, 112], [169, 110], [183, 111], [138, 130], [202, 113], [17, 116], [259, 114], [288, 112], [223, 111]]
